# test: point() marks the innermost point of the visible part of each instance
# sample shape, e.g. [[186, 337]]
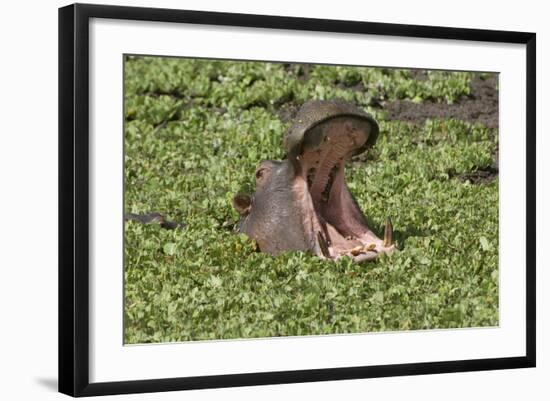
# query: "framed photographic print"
[[250, 199]]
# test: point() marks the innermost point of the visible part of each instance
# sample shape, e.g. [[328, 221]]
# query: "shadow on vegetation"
[[479, 176], [400, 236]]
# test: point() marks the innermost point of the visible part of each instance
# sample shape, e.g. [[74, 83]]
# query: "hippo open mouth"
[[303, 202]]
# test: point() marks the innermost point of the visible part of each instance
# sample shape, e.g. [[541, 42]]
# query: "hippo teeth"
[[363, 249], [326, 191], [310, 176], [388, 233], [323, 245]]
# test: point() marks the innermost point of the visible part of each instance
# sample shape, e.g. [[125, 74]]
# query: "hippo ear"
[[242, 203]]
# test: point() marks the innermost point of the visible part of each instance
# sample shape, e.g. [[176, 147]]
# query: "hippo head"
[[303, 202]]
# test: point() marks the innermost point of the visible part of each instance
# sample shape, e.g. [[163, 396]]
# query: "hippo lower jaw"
[[331, 217]]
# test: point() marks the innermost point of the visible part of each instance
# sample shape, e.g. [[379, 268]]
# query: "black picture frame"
[[74, 198]]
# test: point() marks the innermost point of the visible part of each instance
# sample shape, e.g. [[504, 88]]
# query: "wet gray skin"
[[303, 202]]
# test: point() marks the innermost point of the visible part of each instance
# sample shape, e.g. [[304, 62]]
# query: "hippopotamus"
[[303, 203]]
